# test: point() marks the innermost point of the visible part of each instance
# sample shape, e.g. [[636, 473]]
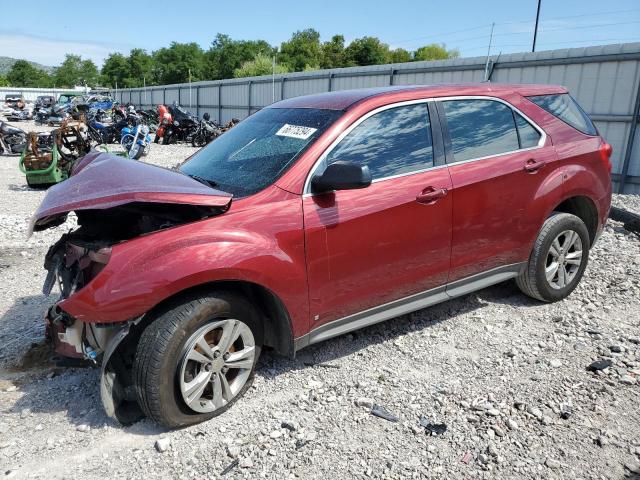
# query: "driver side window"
[[392, 142]]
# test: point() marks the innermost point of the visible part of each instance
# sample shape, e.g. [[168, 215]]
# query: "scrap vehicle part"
[[630, 220]]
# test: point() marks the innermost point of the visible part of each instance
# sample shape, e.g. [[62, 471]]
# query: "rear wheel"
[[558, 260], [197, 358]]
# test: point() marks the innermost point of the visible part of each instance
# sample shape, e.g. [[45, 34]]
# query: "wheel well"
[[278, 331], [585, 209]]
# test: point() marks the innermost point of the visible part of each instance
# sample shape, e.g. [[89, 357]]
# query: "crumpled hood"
[[105, 181]]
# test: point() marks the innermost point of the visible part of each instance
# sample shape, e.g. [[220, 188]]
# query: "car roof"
[[344, 99]]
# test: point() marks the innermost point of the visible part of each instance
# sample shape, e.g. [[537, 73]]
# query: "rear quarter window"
[[564, 107]]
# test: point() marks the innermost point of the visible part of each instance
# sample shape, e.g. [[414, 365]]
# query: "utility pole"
[[189, 88], [486, 65], [535, 30]]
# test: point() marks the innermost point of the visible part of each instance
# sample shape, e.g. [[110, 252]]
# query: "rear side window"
[[392, 142], [564, 107], [483, 128], [480, 128]]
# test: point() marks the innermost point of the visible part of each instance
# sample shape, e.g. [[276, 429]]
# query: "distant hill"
[[7, 62]]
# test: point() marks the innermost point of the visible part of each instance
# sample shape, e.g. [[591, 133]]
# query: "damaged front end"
[[114, 202]]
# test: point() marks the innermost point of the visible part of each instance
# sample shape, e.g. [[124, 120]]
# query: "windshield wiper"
[[208, 183]]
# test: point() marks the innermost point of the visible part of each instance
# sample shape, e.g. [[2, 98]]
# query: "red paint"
[[332, 255]]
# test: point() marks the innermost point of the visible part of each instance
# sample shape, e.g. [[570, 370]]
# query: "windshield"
[[257, 151]]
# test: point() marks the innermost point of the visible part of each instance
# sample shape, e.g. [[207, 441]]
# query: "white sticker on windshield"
[[296, 131]]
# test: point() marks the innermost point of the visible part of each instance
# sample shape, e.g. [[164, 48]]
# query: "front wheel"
[[197, 358], [558, 260]]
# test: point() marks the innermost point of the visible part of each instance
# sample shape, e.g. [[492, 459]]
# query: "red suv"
[[313, 217]]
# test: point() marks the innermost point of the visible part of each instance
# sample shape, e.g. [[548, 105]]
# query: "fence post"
[[282, 89], [330, 81], [220, 102], [393, 72], [249, 98], [198, 101], [632, 136]]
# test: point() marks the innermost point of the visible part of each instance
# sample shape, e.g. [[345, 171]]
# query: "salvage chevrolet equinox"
[[315, 216]]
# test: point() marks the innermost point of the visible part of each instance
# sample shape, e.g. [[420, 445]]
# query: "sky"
[[93, 31]]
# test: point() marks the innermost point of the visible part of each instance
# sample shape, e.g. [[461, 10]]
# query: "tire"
[[162, 359], [198, 140], [539, 280]]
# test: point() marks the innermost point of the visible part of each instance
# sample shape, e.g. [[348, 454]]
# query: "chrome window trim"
[[306, 191]]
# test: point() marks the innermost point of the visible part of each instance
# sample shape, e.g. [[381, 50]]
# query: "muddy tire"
[[197, 358], [559, 257]]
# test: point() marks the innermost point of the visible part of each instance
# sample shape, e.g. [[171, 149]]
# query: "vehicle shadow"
[[45, 387], [323, 353]]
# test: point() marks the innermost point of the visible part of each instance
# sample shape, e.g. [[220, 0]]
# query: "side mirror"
[[341, 175]]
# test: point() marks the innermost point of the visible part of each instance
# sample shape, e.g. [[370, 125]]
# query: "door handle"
[[431, 195], [533, 166]]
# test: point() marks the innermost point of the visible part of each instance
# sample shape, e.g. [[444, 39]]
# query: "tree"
[[303, 50], [332, 54], [172, 64], [115, 70], [260, 65], [3, 81], [400, 55], [140, 68], [24, 74], [367, 51], [226, 55], [434, 52], [76, 71]]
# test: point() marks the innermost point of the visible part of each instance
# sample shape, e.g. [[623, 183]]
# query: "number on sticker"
[[296, 131]]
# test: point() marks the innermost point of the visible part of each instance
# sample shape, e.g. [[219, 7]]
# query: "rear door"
[[375, 245], [498, 160]]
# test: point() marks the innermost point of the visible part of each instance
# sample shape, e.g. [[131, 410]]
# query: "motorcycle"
[[12, 140], [136, 140], [206, 132], [183, 126]]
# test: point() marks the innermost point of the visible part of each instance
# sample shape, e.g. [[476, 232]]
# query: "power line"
[[542, 22]]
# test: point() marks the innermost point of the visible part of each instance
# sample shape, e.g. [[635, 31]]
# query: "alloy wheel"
[[216, 364], [564, 259]]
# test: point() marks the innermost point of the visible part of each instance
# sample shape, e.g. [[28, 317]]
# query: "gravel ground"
[[491, 385]]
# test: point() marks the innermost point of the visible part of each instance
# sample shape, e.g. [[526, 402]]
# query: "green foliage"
[[115, 70], [140, 68], [400, 55], [302, 51], [172, 64], [434, 52], [226, 58], [76, 71], [260, 65], [226, 55], [367, 51], [3, 81], [332, 53], [24, 74]]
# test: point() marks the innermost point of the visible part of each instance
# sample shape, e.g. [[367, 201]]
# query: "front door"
[[390, 240]]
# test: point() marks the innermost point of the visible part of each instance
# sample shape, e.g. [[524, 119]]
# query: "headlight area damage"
[[115, 200]]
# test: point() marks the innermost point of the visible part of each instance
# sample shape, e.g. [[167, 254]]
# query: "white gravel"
[[506, 375]]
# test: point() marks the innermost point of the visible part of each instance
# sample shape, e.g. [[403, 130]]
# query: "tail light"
[[605, 151]]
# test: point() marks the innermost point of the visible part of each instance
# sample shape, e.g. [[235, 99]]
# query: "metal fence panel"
[[604, 79]]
